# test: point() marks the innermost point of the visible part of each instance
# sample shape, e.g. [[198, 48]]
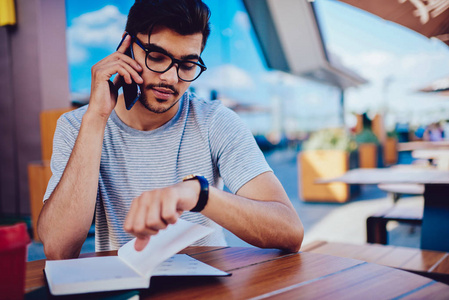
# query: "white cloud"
[[242, 20], [101, 29], [227, 77]]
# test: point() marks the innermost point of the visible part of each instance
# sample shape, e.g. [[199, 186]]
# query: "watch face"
[[191, 176]]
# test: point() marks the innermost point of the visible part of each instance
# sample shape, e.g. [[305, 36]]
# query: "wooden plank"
[[199, 249], [229, 259], [368, 253], [310, 246], [434, 291], [399, 213], [372, 252], [34, 277], [424, 261], [367, 280], [397, 257], [443, 266], [252, 280]]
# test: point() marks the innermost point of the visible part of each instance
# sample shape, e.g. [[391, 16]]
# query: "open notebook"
[[132, 269]]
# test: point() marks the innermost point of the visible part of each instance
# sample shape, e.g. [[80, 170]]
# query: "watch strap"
[[204, 191]]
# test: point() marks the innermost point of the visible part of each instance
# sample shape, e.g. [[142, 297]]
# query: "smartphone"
[[131, 92]]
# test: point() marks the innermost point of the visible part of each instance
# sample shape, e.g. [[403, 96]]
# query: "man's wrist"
[[204, 191]]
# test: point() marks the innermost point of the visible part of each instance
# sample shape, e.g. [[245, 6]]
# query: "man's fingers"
[[125, 44], [141, 242]]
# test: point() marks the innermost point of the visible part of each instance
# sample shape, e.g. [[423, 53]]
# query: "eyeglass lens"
[[159, 62]]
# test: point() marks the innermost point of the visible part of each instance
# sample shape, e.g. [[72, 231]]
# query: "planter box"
[[368, 155], [391, 151], [321, 164]]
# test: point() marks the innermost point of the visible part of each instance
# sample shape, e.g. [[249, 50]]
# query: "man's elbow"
[[56, 252], [296, 238], [54, 248]]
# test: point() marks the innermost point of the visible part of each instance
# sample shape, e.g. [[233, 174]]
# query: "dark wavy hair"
[[183, 16]]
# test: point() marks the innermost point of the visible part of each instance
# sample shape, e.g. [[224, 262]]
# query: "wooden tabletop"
[[267, 273], [418, 145], [392, 175]]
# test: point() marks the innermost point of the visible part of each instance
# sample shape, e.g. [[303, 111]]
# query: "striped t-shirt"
[[204, 137]]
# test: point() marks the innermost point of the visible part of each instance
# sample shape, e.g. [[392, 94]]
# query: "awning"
[[440, 86], [7, 12], [291, 41], [427, 17]]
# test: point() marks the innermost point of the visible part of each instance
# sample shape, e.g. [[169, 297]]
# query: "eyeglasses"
[[160, 62]]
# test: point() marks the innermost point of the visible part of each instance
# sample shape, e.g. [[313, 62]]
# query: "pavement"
[[338, 222]]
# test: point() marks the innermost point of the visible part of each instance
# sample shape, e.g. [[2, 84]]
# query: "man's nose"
[[171, 75]]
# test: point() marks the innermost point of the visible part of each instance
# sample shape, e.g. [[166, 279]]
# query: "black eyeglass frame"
[[200, 62]]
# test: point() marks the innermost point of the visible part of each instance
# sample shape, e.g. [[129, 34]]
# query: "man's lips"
[[163, 90], [162, 93]]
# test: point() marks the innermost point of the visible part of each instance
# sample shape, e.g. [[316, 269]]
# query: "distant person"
[[137, 169], [433, 133]]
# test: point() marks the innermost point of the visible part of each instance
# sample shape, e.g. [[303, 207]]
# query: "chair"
[[376, 225], [39, 172]]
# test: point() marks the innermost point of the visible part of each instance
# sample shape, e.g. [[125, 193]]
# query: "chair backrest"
[[48, 119]]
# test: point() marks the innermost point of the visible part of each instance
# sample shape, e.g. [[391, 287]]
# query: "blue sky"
[[395, 60]]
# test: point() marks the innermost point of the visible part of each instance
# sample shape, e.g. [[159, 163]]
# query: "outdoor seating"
[[376, 225]]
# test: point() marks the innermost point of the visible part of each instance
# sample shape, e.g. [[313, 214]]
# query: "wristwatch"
[[204, 191]]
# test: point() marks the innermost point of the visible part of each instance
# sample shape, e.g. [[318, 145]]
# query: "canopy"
[[427, 17]]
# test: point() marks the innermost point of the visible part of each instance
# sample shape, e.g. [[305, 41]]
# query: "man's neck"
[[140, 118]]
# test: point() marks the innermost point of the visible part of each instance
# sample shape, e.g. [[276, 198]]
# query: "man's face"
[[162, 91]]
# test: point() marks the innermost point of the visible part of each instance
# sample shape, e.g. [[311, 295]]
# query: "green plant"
[[392, 134], [330, 139], [366, 136]]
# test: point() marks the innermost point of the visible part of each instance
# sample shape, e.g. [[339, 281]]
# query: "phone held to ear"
[[131, 92]]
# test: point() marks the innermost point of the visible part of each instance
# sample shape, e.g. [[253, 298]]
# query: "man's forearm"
[[67, 215], [270, 222]]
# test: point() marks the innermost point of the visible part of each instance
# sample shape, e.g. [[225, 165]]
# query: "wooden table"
[[267, 273], [417, 145], [439, 157], [435, 225]]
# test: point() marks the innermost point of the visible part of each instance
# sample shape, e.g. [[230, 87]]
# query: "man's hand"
[[155, 210], [103, 97]]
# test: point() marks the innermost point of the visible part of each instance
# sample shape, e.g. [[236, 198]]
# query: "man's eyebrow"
[[153, 47]]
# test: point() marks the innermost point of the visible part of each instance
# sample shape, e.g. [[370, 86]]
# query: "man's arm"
[[66, 216], [260, 213]]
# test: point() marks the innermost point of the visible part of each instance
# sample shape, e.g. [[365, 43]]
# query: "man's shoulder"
[[74, 117], [206, 108]]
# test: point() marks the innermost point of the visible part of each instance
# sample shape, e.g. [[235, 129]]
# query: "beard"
[[154, 107]]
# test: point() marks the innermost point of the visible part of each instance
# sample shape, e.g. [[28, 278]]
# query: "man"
[[128, 166]]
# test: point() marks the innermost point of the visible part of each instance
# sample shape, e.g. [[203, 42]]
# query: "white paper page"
[[92, 274], [185, 265], [162, 246]]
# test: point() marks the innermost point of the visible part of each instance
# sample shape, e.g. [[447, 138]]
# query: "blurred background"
[[304, 76]]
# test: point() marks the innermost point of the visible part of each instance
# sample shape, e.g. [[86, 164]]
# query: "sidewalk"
[[344, 222]]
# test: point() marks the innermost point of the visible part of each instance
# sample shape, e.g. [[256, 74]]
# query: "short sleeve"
[[234, 149], [63, 142]]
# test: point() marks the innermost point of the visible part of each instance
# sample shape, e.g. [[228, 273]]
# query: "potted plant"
[[391, 148], [367, 144], [325, 154]]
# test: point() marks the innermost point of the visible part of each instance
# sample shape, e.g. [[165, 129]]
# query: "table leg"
[[435, 223]]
